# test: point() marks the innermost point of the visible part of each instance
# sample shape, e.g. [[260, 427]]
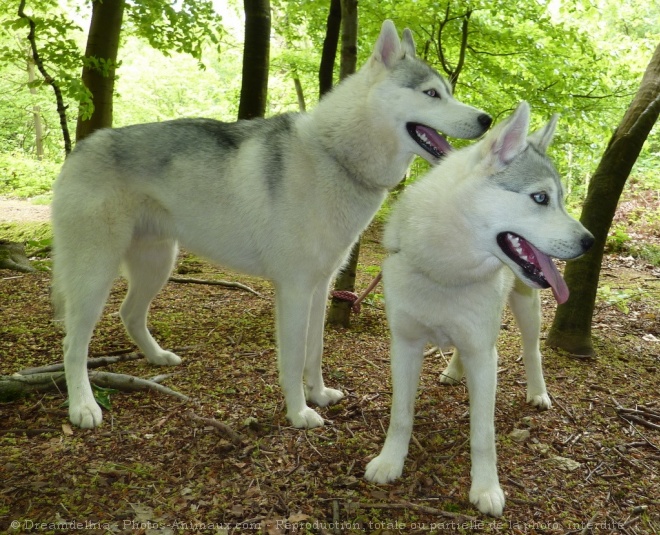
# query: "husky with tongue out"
[[479, 229]]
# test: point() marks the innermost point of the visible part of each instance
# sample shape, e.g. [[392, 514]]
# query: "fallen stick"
[[96, 362], [130, 383], [17, 385], [223, 428], [641, 421], [417, 507], [226, 284]]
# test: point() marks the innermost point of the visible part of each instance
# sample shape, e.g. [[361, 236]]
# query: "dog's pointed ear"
[[542, 138], [508, 139], [408, 43], [388, 47]]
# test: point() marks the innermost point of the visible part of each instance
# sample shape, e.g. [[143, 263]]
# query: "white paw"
[[324, 397], [164, 358], [86, 415], [489, 500], [381, 470], [540, 401], [305, 419]]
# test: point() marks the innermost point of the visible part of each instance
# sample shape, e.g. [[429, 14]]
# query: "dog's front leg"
[[293, 306], [407, 357], [481, 375], [525, 303], [315, 389]]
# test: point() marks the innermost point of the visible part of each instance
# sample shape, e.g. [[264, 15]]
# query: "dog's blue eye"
[[541, 197], [432, 93]]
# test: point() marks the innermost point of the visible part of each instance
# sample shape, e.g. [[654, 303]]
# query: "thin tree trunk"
[[61, 108], [256, 57], [349, 32], [98, 72], [571, 328], [36, 112], [299, 94], [340, 309], [330, 43]]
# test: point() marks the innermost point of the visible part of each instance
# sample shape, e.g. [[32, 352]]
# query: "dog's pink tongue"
[[552, 275], [435, 139]]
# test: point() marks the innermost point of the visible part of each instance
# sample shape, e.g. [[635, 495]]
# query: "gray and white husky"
[[457, 238], [282, 198]]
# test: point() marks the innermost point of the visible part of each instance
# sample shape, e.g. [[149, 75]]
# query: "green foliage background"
[[581, 59]]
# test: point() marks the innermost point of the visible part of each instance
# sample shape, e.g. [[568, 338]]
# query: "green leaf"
[[102, 396]]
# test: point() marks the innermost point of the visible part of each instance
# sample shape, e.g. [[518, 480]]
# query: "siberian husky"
[[457, 238], [282, 198]]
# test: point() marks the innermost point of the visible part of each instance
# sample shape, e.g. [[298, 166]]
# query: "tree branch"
[[223, 428], [17, 385], [441, 54], [461, 57], [416, 507], [226, 284], [129, 383], [484, 53], [61, 108], [91, 363]]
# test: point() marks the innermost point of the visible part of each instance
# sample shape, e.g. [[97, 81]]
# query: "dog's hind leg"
[[453, 373], [84, 284], [525, 303], [147, 266], [315, 390]]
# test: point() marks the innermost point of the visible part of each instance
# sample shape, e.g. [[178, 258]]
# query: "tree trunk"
[[61, 108], [330, 43], [256, 53], [299, 94], [98, 72], [36, 112], [349, 32], [571, 328], [340, 309]]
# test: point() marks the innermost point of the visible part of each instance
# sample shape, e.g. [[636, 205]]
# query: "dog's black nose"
[[587, 241], [485, 120]]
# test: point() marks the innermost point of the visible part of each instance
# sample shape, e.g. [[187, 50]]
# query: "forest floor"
[[150, 468]]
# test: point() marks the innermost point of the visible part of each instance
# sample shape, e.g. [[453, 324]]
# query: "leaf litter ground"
[[151, 469]]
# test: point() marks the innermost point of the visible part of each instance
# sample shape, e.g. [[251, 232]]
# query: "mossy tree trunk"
[[571, 328]]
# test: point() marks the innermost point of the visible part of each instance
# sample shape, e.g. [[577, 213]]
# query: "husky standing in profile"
[[282, 198], [457, 237]]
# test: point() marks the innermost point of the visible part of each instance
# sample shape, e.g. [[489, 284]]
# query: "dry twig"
[[417, 507], [226, 284], [223, 428]]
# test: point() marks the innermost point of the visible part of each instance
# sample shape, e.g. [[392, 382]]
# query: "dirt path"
[[19, 210]]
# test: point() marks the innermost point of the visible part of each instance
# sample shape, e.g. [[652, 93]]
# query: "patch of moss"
[[24, 232]]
